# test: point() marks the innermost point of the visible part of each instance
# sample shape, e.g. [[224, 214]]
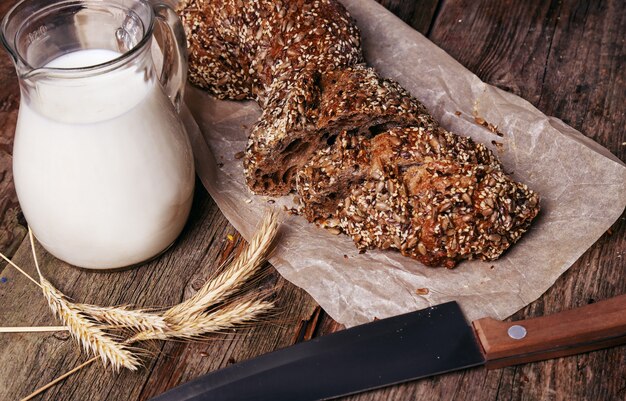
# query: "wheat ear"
[[123, 317], [82, 328], [219, 320], [223, 318], [238, 272], [86, 331]]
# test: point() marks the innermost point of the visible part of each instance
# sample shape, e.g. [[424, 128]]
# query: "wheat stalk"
[[32, 329], [187, 320], [19, 269], [58, 379], [234, 276]]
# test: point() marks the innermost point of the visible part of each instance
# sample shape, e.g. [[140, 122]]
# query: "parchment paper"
[[582, 185]]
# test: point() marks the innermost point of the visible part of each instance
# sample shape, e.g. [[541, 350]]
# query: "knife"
[[423, 343]]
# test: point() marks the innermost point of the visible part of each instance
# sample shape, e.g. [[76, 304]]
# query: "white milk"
[[103, 168], [83, 58]]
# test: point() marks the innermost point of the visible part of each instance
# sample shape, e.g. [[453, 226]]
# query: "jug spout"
[[35, 32], [68, 53], [39, 34]]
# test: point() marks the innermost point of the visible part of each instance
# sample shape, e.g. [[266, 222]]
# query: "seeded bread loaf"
[[432, 195], [365, 157]]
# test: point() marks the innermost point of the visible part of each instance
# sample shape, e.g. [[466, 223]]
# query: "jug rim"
[[71, 72]]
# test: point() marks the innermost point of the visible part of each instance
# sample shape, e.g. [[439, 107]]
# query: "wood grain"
[[420, 14], [12, 222], [566, 57], [589, 327]]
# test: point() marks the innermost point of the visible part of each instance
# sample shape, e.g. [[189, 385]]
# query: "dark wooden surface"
[[566, 57]]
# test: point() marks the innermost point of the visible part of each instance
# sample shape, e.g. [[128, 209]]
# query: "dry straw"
[[108, 332]]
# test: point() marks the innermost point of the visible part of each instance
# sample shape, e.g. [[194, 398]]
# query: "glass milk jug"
[[102, 165]]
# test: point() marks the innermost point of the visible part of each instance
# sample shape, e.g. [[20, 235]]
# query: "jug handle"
[[174, 47]]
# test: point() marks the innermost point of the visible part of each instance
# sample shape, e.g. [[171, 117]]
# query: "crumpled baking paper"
[[582, 186]]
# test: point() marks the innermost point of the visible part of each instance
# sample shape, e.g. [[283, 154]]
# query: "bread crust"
[[434, 196]]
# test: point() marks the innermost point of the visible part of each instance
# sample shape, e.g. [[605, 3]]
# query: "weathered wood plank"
[[11, 220], [420, 14]]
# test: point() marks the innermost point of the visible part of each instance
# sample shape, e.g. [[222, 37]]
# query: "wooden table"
[[566, 57]]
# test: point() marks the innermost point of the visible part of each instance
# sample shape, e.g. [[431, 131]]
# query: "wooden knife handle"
[[598, 325]]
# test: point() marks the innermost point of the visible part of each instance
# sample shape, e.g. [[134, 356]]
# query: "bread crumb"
[[422, 291], [499, 146], [491, 127]]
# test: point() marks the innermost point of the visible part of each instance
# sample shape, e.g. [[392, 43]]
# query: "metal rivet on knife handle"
[[517, 332]]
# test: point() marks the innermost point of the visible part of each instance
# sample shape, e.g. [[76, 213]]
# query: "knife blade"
[[418, 344]]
